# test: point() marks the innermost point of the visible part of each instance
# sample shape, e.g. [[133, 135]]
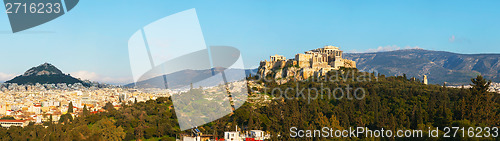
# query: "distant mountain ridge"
[[44, 74], [440, 66], [185, 77]]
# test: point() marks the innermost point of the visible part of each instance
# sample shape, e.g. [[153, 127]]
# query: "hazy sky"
[[91, 40]]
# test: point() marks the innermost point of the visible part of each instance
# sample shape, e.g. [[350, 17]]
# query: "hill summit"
[[43, 69], [44, 74]]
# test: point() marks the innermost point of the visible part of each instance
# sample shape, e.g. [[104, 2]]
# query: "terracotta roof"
[[5, 120]]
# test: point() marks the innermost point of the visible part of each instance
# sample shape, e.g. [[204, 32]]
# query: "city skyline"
[[86, 44]]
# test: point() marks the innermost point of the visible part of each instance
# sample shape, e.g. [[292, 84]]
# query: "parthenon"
[[316, 61]]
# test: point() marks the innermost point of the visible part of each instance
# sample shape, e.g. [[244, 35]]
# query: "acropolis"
[[314, 62]]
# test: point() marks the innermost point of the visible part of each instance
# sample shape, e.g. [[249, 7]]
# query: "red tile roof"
[[5, 120]]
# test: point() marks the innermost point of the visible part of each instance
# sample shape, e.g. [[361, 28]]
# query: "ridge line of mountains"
[[439, 66]]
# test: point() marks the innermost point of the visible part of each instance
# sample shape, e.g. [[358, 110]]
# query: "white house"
[[10, 123]]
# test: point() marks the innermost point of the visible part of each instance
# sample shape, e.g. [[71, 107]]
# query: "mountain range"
[[186, 77], [439, 66]]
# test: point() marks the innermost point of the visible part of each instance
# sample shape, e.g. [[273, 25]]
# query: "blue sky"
[[91, 40]]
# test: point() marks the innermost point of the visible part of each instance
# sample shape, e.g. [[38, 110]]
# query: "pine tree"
[[480, 85], [85, 110], [250, 125], [51, 119], [462, 109], [109, 106], [70, 107], [334, 123]]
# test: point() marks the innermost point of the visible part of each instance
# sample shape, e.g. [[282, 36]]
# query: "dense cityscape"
[[37, 103]]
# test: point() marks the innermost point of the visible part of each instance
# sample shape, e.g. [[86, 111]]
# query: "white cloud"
[[410, 47], [384, 49], [459, 39], [5, 77], [92, 76], [452, 38]]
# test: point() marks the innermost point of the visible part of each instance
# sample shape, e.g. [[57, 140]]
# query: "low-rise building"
[[10, 123]]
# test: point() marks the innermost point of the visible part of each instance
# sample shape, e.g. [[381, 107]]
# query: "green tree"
[[66, 118], [8, 118], [81, 132], [106, 129], [48, 122], [480, 85], [334, 123], [250, 125], [109, 106], [85, 110], [70, 107]]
